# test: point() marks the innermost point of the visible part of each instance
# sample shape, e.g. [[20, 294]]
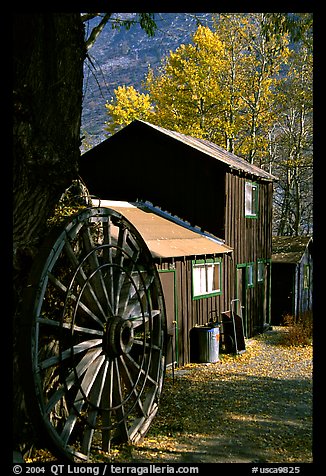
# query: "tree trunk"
[[48, 75]]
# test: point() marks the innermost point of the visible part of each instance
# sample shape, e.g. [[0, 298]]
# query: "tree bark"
[[48, 58]]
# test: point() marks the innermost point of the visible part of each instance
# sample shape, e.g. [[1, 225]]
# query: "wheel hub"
[[118, 336], [92, 373]]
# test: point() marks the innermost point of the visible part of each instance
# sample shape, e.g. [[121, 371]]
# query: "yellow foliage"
[[127, 106], [222, 87]]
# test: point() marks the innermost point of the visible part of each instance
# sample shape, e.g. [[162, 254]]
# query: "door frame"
[[176, 327], [243, 297], [266, 288]]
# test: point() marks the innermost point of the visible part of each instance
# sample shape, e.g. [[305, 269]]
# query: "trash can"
[[204, 344]]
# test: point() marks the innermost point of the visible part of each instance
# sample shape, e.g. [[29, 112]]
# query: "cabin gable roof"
[[139, 128], [213, 150], [289, 249]]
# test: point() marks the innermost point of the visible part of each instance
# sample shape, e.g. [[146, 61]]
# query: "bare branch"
[[97, 30], [88, 16]]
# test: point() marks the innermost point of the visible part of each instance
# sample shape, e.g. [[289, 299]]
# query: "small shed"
[[292, 286], [191, 266]]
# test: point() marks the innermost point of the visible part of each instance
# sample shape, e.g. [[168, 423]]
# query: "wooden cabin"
[[208, 187], [180, 253], [292, 265]]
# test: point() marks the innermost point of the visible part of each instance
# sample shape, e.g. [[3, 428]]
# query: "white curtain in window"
[[248, 198], [199, 280], [210, 278], [206, 278]]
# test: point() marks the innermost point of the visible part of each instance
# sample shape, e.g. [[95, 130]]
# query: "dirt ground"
[[253, 407]]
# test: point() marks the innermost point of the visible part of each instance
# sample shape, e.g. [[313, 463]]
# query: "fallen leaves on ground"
[[252, 407], [256, 406]]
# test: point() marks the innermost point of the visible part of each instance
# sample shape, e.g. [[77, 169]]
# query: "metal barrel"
[[204, 344]]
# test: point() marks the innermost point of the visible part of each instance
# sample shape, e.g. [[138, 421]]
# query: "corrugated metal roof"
[[165, 238], [289, 249], [215, 151]]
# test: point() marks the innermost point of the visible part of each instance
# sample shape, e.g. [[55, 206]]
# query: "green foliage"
[[297, 25], [147, 23], [145, 20]]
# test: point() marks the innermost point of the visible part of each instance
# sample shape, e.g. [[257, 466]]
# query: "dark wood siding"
[[251, 240], [168, 173], [191, 312]]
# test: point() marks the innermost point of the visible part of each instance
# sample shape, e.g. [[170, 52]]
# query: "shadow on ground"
[[240, 418]]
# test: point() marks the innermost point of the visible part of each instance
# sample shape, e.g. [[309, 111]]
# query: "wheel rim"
[[97, 335]]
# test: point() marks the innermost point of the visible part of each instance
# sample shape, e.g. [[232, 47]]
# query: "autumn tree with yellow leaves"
[[219, 87], [235, 86], [291, 148], [129, 105]]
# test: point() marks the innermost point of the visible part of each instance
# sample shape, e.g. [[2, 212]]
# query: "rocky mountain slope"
[[121, 57]]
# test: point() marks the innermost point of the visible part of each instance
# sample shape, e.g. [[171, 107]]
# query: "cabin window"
[[250, 275], [260, 271], [206, 278], [306, 276], [251, 200]]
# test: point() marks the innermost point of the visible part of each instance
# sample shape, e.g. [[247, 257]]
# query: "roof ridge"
[[210, 148]]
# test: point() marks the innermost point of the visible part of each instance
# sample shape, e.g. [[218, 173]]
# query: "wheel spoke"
[[139, 320], [134, 301], [97, 278], [71, 351], [83, 392], [61, 287], [57, 324], [130, 383], [108, 259], [97, 335], [106, 403], [129, 285], [118, 402], [146, 345], [81, 278], [122, 237], [72, 377], [95, 399], [135, 367], [119, 276]]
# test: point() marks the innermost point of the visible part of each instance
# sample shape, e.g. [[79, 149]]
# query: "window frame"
[[207, 263], [253, 213], [261, 267], [250, 283], [306, 276]]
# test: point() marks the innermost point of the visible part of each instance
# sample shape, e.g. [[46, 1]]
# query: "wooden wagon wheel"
[[95, 340]]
